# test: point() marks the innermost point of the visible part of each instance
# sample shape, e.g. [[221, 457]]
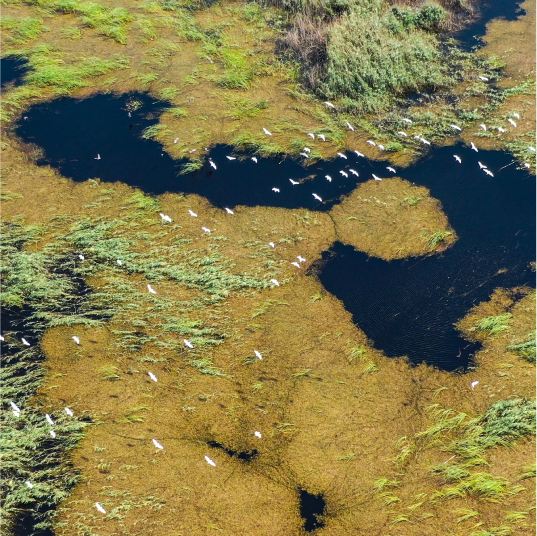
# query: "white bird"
[[423, 140], [391, 169], [371, 142], [258, 355], [25, 342], [473, 147], [484, 78], [401, 133], [52, 434], [500, 129], [98, 157], [157, 444], [231, 158], [209, 461], [321, 136], [532, 149], [328, 178], [296, 264], [188, 343], [526, 165], [307, 149], [29, 484], [165, 218], [275, 282], [254, 159], [152, 376], [229, 211], [100, 508], [293, 182], [358, 153], [311, 135], [317, 197], [15, 407], [330, 105], [120, 262], [376, 178], [341, 155], [76, 339], [193, 151], [212, 164], [206, 230], [151, 289], [81, 257], [512, 122], [49, 419], [457, 158], [272, 244], [17, 413], [455, 127], [381, 147], [483, 126], [488, 172], [350, 126], [175, 140], [481, 166], [193, 214], [257, 434], [406, 120], [305, 155], [354, 172], [516, 115], [474, 384], [344, 173], [277, 190], [69, 412], [2, 338], [267, 132], [301, 259]]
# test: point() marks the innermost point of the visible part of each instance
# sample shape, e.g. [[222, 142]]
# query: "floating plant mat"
[[406, 307]]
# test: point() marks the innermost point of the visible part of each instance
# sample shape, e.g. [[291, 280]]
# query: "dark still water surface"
[[405, 307], [12, 70]]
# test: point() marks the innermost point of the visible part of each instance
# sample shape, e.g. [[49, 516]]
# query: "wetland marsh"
[[360, 362]]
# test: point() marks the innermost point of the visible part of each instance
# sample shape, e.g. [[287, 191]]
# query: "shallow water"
[[406, 307], [311, 506], [12, 70]]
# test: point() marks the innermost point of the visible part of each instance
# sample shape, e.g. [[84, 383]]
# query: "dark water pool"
[[312, 507], [12, 70], [405, 307]]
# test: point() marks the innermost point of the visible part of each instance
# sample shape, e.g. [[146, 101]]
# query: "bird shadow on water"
[[406, 307]]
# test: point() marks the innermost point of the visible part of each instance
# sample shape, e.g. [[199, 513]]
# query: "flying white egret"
[[512, 122], [311, 135], [307, 149], [231, 158], [157, 444], [100, 508], [151, 289], [317, 197], [391, 169], [275, 282], [305, 155], [258, 354], [381, 147], [344, 173], [406, 120], [193, 151], [152, 376], [29, 484], [516, 115], [192, 213], [455, 127], [488, 172], [120, 262], [17, 413], [328, 178], [341, 155], [350, 126], [330, 105], [257, 434], [423, 140], [267, 132], [371, 142], [294, 182], [16, 409], [165, 217], [484, 78], [272, 244], [2, 338], [98, 157], [457, 158], [532, 149], [473, 147], [81, 257], [49, 419], [254, 159], [229, 211], [188, 343], [358, 153], [500, 129], [401, 133], [526, 165], [212, 164], [481, 166], [25, 342], [175, 140], [206, 230], [376, 178], [474, 383], [296, 264], [301, 259], [483, 126], [277, 190], [69, 412], [321, 136], [209, 461], [354, 172], [52, 434], [76, 339]]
